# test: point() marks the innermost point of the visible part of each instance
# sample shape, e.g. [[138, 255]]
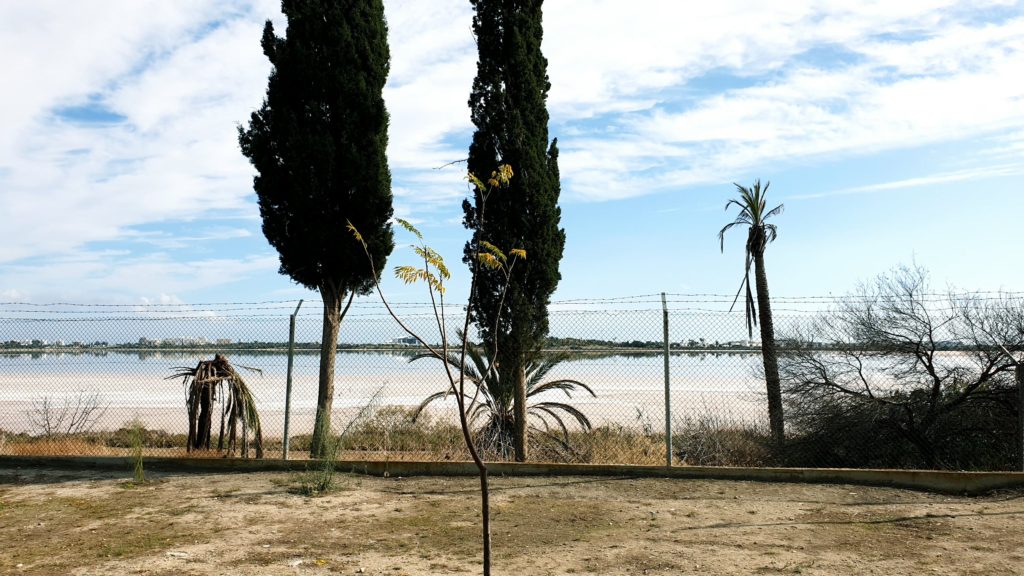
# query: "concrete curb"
[[928, 480]]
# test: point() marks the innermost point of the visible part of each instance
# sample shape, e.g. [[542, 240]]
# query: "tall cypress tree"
[[509, 109], [318, 144]]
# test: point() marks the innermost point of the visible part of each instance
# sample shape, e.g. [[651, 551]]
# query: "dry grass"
[[61, 447], [714, 441], [391, 434]]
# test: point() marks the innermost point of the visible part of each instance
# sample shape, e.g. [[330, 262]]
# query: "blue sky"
[[893, 132]]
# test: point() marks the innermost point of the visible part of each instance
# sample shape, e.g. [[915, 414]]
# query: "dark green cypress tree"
[[509, 109], [318, 144]]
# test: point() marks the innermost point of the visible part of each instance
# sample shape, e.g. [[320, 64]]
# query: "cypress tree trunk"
[[769, 352], [520, 443], [328, 348]]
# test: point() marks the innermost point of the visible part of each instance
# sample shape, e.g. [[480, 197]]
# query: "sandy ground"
[[100, 523]]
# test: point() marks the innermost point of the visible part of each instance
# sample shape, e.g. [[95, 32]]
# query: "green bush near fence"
[[845, 433], [127, 436]]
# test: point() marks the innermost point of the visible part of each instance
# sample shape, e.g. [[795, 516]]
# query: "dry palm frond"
[[208, 381]]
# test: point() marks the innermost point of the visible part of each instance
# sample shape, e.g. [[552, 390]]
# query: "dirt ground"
[[100, 523]]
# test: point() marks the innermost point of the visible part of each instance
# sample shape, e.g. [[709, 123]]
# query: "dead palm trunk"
[[204, 383], [769, 352]]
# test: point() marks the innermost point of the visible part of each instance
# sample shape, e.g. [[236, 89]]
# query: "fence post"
[[288, 386], [1019, 371], [668, 393]]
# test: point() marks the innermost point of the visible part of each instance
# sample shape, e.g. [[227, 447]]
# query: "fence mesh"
[[86, 380]]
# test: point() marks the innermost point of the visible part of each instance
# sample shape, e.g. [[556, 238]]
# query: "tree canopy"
[[509, 109], [319, 142]]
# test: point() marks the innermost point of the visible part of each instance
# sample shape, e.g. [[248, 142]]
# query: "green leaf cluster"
[[509, 109], [319, 142]]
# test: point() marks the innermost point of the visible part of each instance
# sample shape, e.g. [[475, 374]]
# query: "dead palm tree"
[[754, 214], [208, 381]]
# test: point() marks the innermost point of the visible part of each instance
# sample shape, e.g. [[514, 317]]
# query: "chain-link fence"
[[94, 380]]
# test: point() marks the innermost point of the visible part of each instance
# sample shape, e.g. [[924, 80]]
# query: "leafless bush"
[[51, 417], [899, 375]]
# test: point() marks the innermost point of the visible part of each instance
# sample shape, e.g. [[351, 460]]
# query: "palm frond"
[[727, 227], [565, 385], [539, 415], [428, 401], [538, 370], [481, 410], [545, 409], [751, 306], [739, 291], [454, 361], [576, 413]]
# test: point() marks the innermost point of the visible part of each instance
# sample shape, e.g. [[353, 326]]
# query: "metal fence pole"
[[668, 393], [288, 387], [1019, 371]]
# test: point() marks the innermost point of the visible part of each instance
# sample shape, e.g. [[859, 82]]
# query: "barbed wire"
[[652, 298]]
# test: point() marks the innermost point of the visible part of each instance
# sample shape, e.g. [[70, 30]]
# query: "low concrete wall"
[[930, 480]]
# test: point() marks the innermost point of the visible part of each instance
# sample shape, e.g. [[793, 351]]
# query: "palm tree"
[[495, 400], [754, 215]]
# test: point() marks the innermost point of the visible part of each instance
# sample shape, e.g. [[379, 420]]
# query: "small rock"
[[175, 554], [360, 570], [266, 545], [294, 563]]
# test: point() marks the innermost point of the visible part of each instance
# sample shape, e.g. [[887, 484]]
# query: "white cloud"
[[117, 277], [604, 51], [631, 100], [948, 85], [922, 181], [173, 156]]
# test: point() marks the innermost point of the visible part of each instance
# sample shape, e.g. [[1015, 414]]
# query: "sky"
[[892, 132]]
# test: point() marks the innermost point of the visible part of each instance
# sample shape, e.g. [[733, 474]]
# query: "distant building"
[[223, 341], [743, 344], [406, 341]]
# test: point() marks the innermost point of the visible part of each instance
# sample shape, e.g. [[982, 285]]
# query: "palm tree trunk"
[[193, 419], [769, 352], [328, 350]]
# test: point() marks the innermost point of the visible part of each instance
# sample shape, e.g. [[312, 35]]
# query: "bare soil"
[[100, 523]]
